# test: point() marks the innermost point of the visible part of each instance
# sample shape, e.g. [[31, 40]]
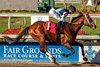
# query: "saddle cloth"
[[51, 27]]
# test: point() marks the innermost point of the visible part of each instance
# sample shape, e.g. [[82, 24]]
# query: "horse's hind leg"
[[68, 46], [43, 47]]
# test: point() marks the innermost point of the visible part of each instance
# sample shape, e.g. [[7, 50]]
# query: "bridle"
[[89, 23]]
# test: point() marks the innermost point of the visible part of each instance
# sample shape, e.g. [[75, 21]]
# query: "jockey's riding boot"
[[58, 32], [59, 24], [58, 38]]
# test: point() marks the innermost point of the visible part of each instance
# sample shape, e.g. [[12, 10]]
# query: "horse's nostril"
[[95, 27]]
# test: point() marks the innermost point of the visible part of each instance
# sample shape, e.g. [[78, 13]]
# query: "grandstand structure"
[[68, 0], [19, 5]]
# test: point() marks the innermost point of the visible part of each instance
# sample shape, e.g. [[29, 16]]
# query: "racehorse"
[[38, 32]]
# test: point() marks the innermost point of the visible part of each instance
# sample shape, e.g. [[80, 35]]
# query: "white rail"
[[79, 37], [29, 15]]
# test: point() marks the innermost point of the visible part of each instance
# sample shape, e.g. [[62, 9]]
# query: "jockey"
[[60, 14]]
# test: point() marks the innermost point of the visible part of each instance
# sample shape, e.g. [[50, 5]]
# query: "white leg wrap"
[[50, 56]]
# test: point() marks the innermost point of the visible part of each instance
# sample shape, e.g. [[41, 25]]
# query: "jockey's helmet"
[[71, 9]]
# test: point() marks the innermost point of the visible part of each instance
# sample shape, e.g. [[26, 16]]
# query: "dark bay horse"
[[38, 32]]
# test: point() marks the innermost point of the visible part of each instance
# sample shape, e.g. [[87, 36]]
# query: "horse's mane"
[[74, 18]]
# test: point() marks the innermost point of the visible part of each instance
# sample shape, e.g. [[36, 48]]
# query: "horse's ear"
[[83, 12], [87, 12], [80, 13]]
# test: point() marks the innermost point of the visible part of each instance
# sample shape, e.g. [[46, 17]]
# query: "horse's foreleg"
[[68, 46], [82, 49]]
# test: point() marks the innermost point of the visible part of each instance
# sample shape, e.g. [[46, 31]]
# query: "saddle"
[[51, 27]]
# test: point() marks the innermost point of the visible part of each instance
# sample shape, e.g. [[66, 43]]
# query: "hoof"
[[63, 54], [56, 63], [53, 60], [85, 58]]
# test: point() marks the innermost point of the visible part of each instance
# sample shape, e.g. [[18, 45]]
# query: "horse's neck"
[[76, 25]]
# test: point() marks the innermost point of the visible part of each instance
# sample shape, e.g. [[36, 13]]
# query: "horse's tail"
[[13, 40]]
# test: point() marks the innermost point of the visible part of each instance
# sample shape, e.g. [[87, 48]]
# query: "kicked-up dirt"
[[32, 64]]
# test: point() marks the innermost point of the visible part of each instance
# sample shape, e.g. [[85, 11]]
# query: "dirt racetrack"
[[32, 64]]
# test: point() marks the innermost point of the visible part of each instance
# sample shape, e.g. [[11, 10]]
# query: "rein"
[[87, 19]]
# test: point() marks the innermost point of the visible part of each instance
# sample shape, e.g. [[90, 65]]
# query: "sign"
[[39, 17], [90, 50], [30, 52]]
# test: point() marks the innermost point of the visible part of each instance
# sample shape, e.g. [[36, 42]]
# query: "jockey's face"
[[71, 11]]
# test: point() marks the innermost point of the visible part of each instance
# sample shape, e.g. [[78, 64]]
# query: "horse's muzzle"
[[93, 26]]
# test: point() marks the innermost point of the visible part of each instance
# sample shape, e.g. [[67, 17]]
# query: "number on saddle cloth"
[[51, 27]]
